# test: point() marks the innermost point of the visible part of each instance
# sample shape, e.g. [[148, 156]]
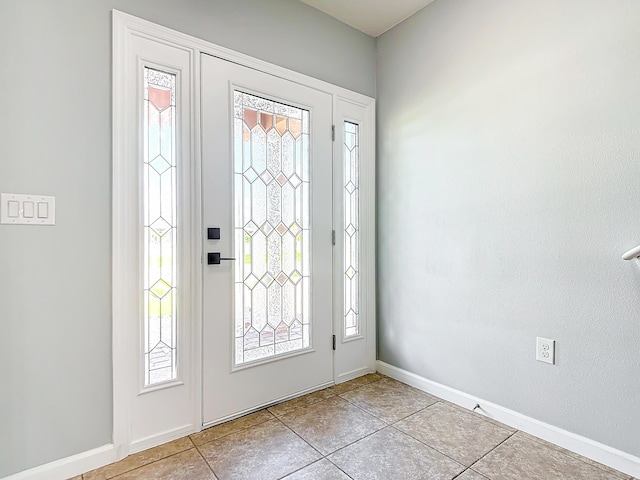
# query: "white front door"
[[267, 228]]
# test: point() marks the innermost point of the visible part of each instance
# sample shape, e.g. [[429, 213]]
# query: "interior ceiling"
[[373, 17]]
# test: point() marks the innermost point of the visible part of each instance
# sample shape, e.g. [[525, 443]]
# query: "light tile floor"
[[372, 427]]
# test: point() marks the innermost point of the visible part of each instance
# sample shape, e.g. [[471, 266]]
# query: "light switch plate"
[[32, 209]]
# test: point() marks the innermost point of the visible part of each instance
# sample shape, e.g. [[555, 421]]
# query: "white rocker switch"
[[13, 208], [27, 209], [43, 210]]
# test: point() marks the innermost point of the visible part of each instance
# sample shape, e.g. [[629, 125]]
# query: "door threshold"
[[233, 416]]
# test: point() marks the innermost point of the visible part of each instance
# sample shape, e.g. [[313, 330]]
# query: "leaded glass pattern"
[[351, 230], [160, 223], [272, 230]]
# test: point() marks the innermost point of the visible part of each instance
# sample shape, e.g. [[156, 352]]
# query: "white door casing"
[[164, 409], [354, 354], [140, 419]]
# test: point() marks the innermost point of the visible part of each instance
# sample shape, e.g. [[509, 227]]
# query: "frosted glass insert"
[[271, 178], [159, 205], [351, 230]]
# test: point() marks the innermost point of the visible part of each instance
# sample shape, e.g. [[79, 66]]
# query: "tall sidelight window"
[[272, 228], [160, 223], [351, 230]]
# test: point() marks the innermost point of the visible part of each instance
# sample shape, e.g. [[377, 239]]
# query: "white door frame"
[[125, 284], [354, 353]]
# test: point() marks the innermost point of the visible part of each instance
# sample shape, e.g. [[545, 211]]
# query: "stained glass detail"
[[351, 230], [160, 222], [271, 178]]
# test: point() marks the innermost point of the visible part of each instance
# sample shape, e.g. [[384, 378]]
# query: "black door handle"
[[213, 258]]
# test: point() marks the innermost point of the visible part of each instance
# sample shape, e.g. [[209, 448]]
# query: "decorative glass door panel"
[[160, 226], [267, 187], [271, 198], [351, 193]]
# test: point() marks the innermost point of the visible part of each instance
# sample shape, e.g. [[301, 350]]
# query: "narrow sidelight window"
[[351, 230], [160, 222]]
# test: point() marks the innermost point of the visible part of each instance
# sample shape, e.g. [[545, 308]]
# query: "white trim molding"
[[160, 439], [129, 33], [346, 376], [70, 466], [619, 460], [136, 423], [128, 24], [357, 353]]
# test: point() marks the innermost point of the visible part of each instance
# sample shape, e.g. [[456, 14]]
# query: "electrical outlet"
[[546, 350]]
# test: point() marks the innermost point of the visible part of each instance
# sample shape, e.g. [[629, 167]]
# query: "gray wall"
[[509, 173], [55, 139]]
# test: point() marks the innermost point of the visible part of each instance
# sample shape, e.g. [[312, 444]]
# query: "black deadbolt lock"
[[213, 233]]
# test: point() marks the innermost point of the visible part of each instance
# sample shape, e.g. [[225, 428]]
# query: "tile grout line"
[[425, 444], [150, 463], [468, 469], [325, 457], [338, 466], [322, 457], [483, 456], [392, 424], [364, 410], [313, 463], [432, 448], [552, 446], [561, 450], [206, 461], [279, 419], [233, 432], [445, 454], [386, 424], [296, 434], [359, 440], [382, 419]]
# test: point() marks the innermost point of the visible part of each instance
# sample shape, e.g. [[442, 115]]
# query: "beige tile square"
[[267, 451], [187, 465], [392, 455], [579, 457], [461, 435], [233, 426], [484, 417], [321, 470], [139, 459], [331, 424], [520, 458], [341, 388], [389, 400], [300, 402]]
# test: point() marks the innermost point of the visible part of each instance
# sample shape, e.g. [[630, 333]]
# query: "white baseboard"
[[98, 457], [586, 447], [70, 466], [345, 377], [161, 438]]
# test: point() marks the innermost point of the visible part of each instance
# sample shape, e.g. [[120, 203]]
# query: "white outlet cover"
[[546, 350]]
